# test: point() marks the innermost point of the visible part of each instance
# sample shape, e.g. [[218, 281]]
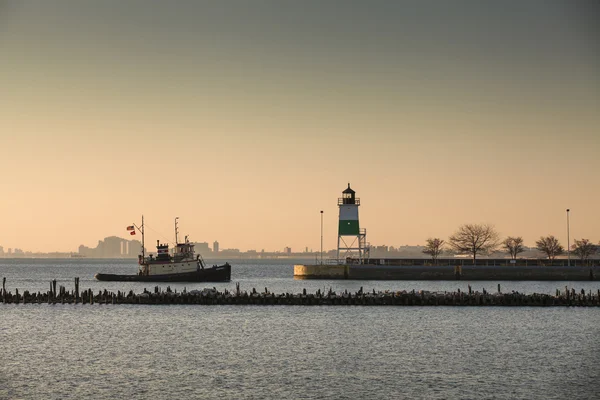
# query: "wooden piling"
[[76, 290], [570, 297]]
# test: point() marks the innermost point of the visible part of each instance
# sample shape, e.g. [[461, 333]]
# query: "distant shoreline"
[[381, 261]]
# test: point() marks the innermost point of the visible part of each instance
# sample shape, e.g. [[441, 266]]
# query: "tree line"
[[483, 239]]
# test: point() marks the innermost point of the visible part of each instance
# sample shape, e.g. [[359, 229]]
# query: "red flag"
[[130, 228], [132, 233]]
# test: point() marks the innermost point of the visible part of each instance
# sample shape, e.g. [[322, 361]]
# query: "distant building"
[[380, 251], [202, 248], [1, 251], [251, 253], [112, 247], [230, 252], [287, 250], [134, 248], [83, 250], [215, 247]]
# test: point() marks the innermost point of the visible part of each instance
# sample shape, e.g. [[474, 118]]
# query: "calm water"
[[104, 351]]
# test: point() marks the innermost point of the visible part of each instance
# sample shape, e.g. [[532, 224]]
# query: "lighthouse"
[[351, 238]]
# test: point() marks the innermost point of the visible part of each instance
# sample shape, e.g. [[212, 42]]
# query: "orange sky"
[[246, 121]]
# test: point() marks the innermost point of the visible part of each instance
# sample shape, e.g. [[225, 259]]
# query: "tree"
[[550, 246], [513, 245], [584, 249], [434, 248], [474, 239]]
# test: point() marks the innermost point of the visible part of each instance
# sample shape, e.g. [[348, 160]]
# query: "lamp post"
[[568, 241], [321, 237]]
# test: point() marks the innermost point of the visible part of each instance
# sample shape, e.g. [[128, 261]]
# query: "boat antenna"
[[176, 230]]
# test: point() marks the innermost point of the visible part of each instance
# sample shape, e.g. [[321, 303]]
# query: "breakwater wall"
[[565, 298], [528, 262], [448, 272]]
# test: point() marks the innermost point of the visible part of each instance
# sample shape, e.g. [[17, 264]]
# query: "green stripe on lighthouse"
[[348, 227]]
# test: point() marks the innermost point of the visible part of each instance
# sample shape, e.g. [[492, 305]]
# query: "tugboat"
[[182, 266]]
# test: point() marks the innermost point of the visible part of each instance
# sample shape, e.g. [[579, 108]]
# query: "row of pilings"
[[567, 297]]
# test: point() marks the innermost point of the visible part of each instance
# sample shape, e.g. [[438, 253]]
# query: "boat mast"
[[176, 230], [143, 247]]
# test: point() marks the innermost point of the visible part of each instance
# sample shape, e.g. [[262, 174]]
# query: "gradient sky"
[[245, 118]]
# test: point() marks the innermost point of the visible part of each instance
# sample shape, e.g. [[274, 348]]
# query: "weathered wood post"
[[54, 288], [76, 289], [4, 290]]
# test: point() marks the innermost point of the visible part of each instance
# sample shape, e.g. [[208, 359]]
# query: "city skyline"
[[245, 119], [116, 246]]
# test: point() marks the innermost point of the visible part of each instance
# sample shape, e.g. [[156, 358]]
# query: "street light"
[[568, 241], [321, 237]]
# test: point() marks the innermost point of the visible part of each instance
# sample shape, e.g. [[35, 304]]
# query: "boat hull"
[[220, 273]]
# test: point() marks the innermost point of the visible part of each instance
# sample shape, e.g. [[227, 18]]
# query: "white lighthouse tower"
[[351, 238]]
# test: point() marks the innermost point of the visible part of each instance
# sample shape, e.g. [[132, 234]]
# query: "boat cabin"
[[183, 251], [162, 252]]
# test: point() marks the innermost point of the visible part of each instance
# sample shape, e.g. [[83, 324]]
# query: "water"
[[286, 352], [276, 275]]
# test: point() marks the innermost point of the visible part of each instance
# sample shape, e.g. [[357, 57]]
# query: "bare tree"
[[474, 239], [584, 249], [513, 245], [434, 248], [550, 246]]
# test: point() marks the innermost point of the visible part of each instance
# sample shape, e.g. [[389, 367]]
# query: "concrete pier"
[[448, 272], [321, 271]]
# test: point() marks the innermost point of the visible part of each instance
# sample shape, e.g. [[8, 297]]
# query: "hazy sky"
[[245, 118]]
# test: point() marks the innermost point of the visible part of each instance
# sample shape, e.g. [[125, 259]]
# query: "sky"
[[246, 118]]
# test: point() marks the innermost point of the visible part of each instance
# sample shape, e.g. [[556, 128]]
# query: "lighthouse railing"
[[342, 201]]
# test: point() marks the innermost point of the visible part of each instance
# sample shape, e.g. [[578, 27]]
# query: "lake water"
[[289, 352]]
